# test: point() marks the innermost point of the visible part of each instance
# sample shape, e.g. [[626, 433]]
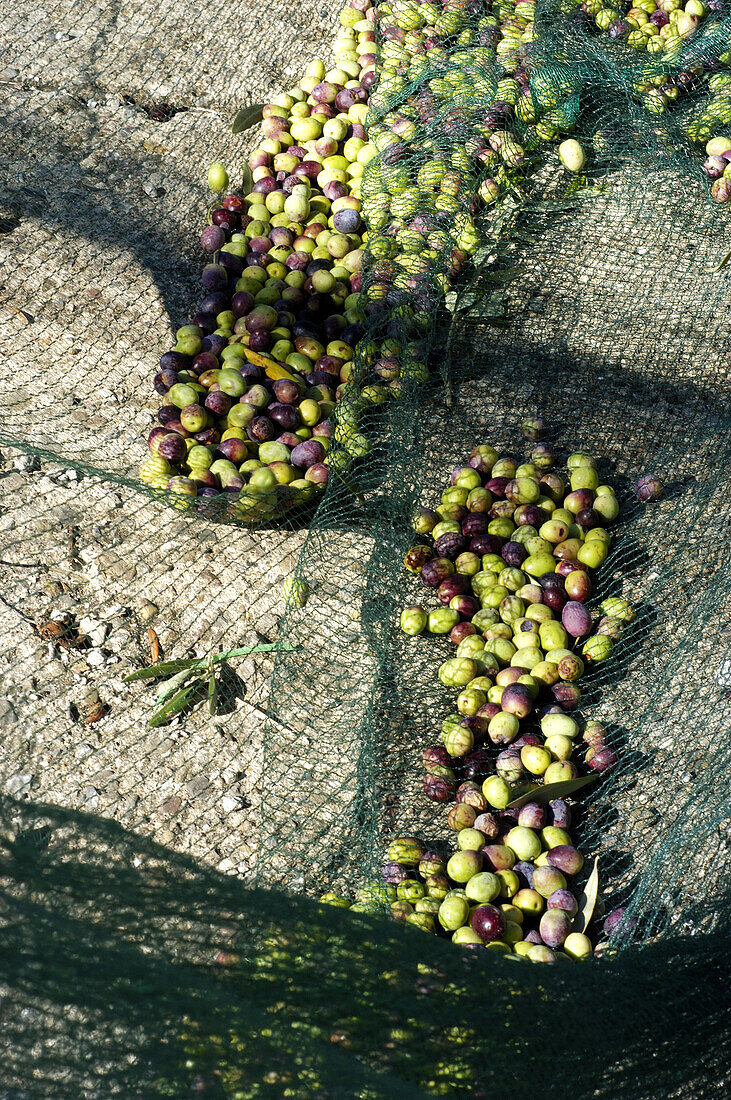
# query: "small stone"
[[112, 611], [95, 631], [26, 463], [117, 641], [172, 805], [83, 750], [59, 616], [19, 784], [8, 717], [90, 795], [230, 803], [197, 786], [95, 658], [148, 611]]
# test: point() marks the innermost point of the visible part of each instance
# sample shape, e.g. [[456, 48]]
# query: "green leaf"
[[549, 791], [211, 684], [247, 117], [247, 179], [506, 275], [587, 901], [212, 692], [175, 705], [163, 669], [168, 688]]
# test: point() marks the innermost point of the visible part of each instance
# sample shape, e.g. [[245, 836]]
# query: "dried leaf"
[[549, 791], [587, 901], [247, 117], [94, 714], [154, 643]]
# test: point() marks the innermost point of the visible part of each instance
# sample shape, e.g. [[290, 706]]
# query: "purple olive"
[[564, 900], [285, 415], [286, 391], [393, 873], [435, 571], [456, 585], [576, 619], [514, 554], [567, 696], [554, 598], [476, 523], [214, 277], [485, 544], [242, 303], [524, 870], [235, 450], [488, 922], [649, 487], [532, 815], [212, 238], [436, 754], [218, 403], [172, 447], [615, 919], [529, 515], [600, 758], [497, 486], [567, 858], [450, 545], [318, 473], [517, 699], [554, 927], [438, 789], [560, 813], [307, 454]]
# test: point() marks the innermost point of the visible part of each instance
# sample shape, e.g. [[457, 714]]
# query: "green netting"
[[147, 949]]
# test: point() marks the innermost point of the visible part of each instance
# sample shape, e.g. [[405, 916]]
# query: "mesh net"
[[160, 933]]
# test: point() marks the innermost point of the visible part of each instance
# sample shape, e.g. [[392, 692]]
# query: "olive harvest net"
[[161, 935]]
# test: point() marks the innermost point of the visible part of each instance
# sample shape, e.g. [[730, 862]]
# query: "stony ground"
[[111, 116]]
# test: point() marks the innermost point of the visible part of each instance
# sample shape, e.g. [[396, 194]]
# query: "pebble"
[[117, 641], [19, 784], [172, 805], [8, 717], [26, 463], [197, 786], [95, 658], [94, 630], [230, 803], [112, 611], [83, 750], [59, 616], [148, 611], [90, 796]]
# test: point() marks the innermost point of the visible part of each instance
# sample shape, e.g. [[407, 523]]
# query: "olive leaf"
[[162, 669], [168, 688], [587, 901], [247, 117], [174, 706], [549, 791], [247, 179], [211, 685]]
